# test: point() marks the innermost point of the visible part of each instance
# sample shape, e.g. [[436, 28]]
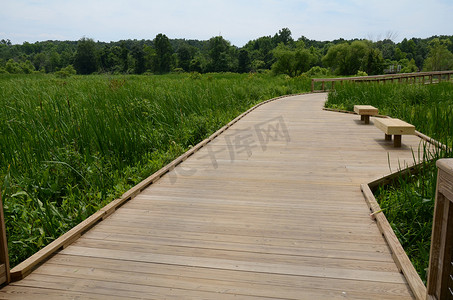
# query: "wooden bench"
[[394, 127], [365, 111]]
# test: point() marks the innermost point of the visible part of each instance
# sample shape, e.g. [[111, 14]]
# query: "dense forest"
[[279, 53]]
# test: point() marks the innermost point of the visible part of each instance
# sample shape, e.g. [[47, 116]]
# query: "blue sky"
[[236, 20]]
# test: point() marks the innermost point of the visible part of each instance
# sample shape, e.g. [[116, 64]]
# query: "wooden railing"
[[440, 276], [4, 260], [420, 77]]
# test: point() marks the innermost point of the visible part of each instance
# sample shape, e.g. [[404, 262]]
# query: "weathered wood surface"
[[271, 208]]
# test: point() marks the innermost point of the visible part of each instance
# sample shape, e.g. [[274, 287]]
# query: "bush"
[[361, 73], [66, 72], [317, 71]]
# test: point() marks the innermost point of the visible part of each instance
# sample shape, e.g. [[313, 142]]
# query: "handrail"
[[384, 78], [440, 276], [4, 259]]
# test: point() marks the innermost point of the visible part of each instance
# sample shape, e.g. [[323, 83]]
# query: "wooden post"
[[333, 85], [312, 85], [440, 285], [323, 86], [397, 141], [431, 79], [5, 276]]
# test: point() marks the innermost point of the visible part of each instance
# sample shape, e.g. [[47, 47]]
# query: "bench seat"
[[395, 127], [365, 111]]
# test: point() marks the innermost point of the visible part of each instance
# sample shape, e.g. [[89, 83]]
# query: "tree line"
[[279, 53]]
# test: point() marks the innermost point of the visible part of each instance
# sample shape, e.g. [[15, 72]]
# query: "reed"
[[69, 146]]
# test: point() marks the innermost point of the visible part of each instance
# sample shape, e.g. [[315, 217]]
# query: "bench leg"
[[367, 119], [397, 141], [388, 137], [362, 118]]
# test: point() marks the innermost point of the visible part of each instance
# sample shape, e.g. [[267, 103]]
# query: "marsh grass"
[[408, 204], [69, 146]]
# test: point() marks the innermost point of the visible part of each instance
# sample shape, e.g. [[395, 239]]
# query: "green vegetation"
[[408, 204], [279, 52], [70, 145]]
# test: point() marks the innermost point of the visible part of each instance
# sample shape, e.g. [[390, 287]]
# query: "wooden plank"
[[238, 255], [269, 286], [108, 289], [300, 248], [278, 281], [249, 266], [301, 243], [40, 293], [401, 259]]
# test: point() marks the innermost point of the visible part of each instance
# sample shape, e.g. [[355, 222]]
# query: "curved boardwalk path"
[[272, 208]]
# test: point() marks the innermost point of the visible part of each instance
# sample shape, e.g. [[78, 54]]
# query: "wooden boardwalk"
[[271, 208]]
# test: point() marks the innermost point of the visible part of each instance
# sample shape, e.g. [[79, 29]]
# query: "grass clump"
[[409, 203], [69, 145]]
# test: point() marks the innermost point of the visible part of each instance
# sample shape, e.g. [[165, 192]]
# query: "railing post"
[[440, 280], [312, 85], [4, 259]]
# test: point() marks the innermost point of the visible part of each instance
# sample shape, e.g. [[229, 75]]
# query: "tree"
[[439, 57], [243, 61], [283, 36], [124, 57], [260, 52], [139, 55], [40, 61], [184, 54], [292, 62], [337, 58], [54, 62], [218, 54], [348, 59], [374, 63], [150, 57], [164, 53], [85, 60]]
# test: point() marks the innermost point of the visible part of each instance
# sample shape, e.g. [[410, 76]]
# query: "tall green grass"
[[408, 204], [69, 146]]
